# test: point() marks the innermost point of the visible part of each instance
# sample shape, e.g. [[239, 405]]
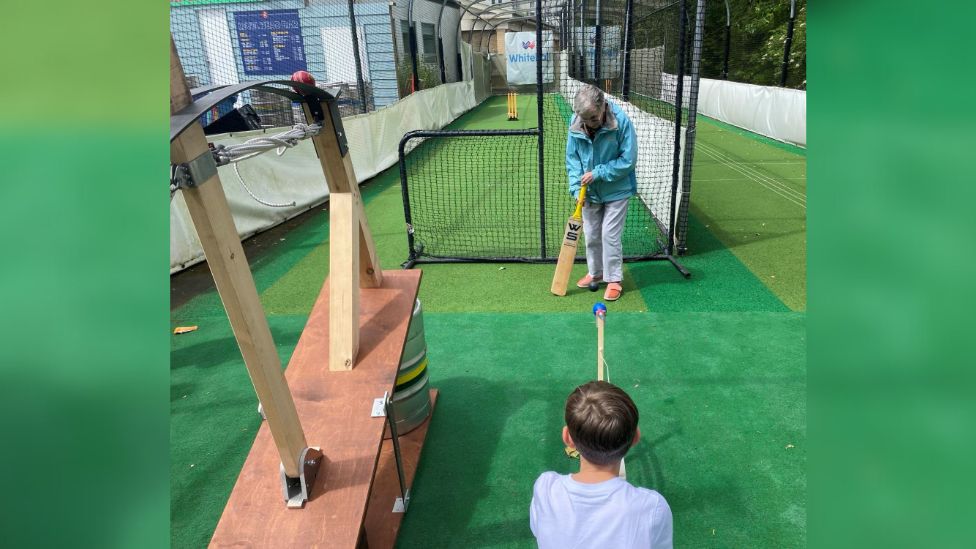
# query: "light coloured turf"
[[752, 196]]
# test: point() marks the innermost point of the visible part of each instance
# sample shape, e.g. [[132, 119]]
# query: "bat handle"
[[579, 202]]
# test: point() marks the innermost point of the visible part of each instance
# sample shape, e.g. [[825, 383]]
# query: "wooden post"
[[341, 178], [353, 263], [214, 224], [343, 280]]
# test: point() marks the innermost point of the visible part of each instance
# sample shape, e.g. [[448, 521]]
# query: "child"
[[595, 508]]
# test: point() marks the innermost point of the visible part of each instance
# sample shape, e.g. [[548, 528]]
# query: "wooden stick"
[[221, 243], [599, 346]]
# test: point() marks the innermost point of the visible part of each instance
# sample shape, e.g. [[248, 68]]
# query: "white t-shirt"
[[615, 514]]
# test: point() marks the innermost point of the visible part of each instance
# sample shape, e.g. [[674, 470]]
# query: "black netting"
[[745, 41]]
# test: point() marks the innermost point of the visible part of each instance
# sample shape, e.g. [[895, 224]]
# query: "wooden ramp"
[[334, 407]]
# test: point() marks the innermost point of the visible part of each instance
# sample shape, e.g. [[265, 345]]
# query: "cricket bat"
[[567, 252]]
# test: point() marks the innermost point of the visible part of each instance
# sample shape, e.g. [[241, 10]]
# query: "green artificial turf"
[[716, 365], [752, 197], [213, 419], [721, 396]]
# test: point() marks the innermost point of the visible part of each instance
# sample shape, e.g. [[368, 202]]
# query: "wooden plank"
[[341, 177], [221, 244], [382, 524], [343, 281], [335, 410]]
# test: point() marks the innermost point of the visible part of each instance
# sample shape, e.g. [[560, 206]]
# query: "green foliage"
[[758, 36], [428, 74]]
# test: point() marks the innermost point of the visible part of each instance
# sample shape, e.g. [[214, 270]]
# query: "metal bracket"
[[261, 411], [296, 490], [193, 173], [339, 130], [401, 504], [379, 405]]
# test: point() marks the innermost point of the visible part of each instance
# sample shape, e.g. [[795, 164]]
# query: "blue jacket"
[[611, 155]]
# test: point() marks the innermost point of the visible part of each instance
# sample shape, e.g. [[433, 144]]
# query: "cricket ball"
[[304, 77]]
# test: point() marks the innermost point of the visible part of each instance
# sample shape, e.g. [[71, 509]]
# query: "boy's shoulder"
[[546, 479]]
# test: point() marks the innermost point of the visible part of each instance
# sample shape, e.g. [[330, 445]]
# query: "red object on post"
[[304, 77]]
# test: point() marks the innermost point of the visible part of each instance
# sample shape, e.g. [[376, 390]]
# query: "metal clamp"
[[193, 173], [297, 489]]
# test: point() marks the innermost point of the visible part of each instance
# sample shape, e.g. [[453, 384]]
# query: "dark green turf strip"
[[721, 396], [719, 281], [213, 420]]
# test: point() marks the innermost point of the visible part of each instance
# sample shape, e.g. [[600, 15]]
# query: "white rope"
[[232, 154]]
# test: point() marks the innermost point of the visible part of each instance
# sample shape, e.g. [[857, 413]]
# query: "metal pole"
[[628, 45], [412, 40], [488, 46], [582, 41], [598, 46], [457, 33], [440, 44], [728, 38], [355, 53], [571, 38], [539, 46], [396, 53], [789, 43], [679, 91], [691, 131]]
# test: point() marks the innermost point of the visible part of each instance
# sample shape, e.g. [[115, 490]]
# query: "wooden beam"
[[343, 280], [221, 243], [341, 177]]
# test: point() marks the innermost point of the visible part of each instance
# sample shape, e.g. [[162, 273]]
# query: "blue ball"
[[599, 307]]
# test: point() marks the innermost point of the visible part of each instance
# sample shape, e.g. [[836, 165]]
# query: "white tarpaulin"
[[780, 113], [520, 52]]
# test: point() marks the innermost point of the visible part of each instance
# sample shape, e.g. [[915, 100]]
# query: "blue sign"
[[270, 42]]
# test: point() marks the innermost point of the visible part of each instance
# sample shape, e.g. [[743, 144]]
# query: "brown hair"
[[602, 421]]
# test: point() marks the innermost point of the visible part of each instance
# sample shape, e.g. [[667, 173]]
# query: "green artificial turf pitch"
[[716, 365]]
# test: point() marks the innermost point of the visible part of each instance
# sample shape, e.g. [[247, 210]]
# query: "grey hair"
[[589, 99]]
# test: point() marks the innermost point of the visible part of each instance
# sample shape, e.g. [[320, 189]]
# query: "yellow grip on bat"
[[579, 202]]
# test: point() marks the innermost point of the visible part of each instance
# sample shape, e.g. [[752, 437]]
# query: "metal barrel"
[[411, 397]]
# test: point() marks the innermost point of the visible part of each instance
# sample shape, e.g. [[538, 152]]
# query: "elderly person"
[[601, 153]]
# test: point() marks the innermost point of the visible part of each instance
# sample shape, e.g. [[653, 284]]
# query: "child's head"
[[602, 420]]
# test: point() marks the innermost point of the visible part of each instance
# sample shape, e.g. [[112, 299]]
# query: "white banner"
[[520, 52], [610, 60]]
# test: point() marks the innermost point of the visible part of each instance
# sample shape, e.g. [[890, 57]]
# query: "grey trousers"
[[603, 226]]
